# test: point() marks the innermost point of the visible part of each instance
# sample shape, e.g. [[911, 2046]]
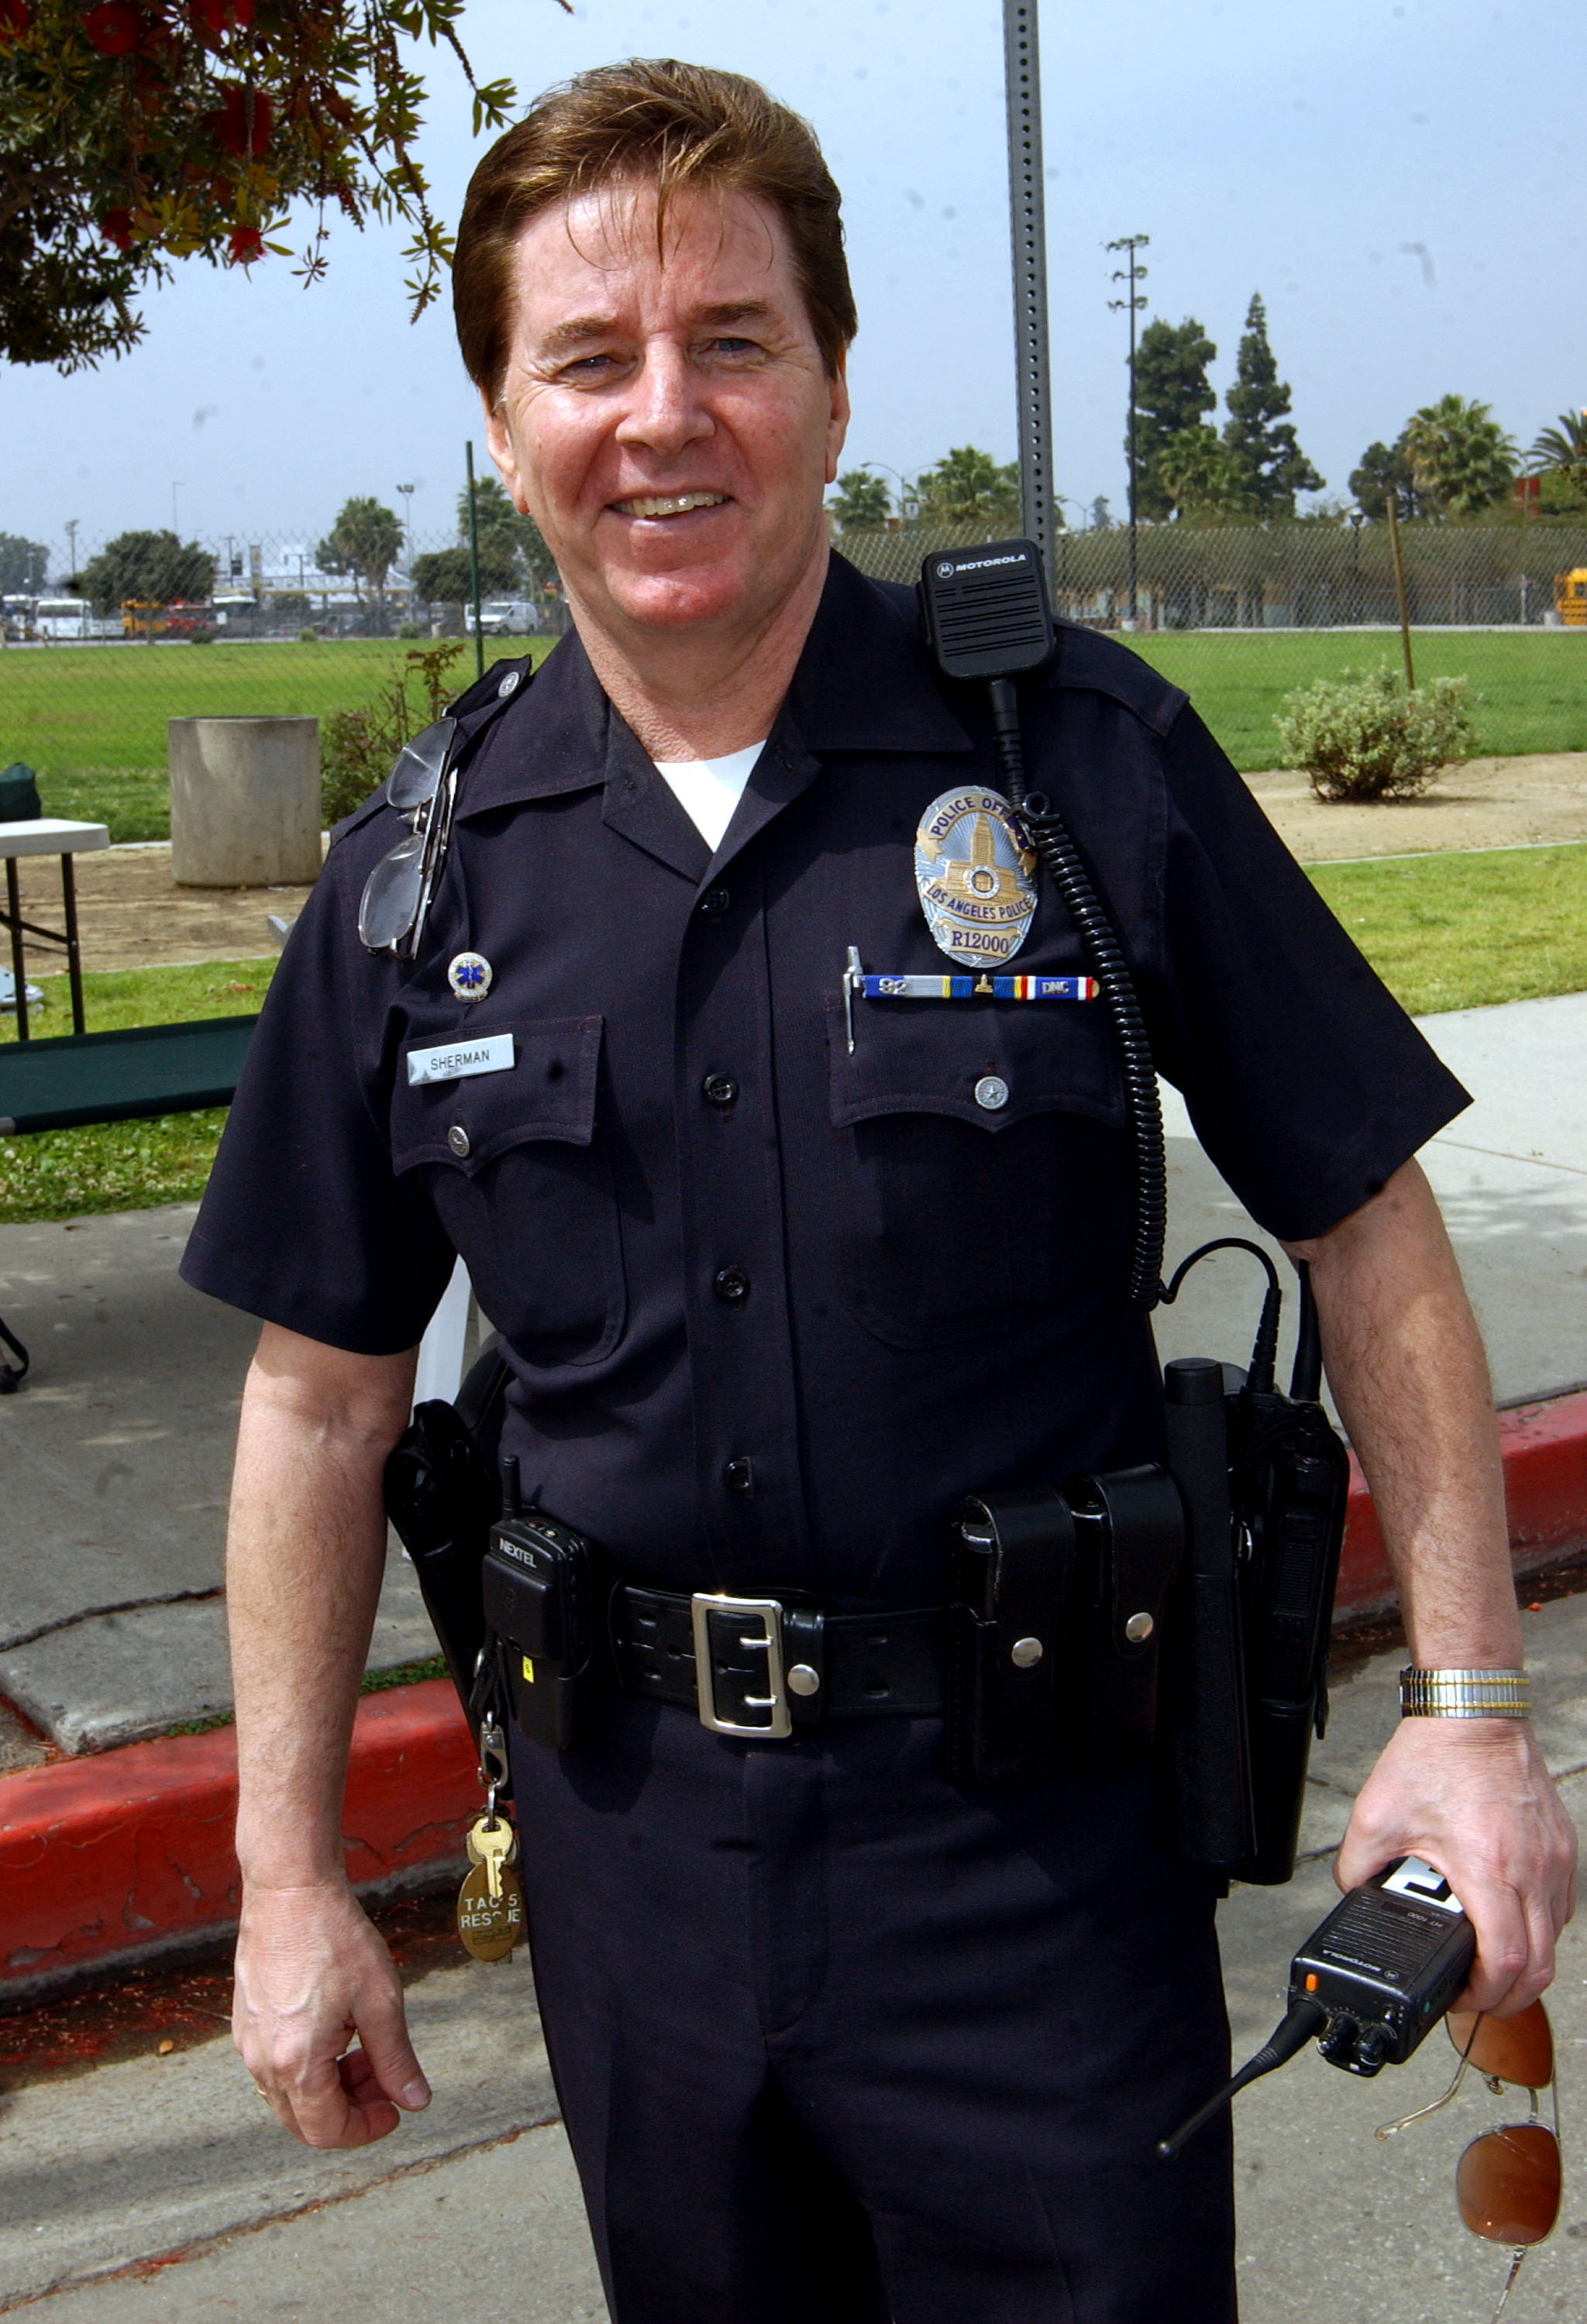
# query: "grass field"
[[1443, 932], [1531, 686], [91, 720]]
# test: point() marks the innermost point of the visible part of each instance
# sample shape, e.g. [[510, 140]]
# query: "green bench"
[[88, 1078]]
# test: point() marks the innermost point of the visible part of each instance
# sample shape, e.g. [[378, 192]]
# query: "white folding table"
[[46, 834]]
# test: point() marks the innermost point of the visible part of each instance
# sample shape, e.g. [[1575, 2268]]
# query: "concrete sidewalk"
[[118, 1453], [158, 2192]]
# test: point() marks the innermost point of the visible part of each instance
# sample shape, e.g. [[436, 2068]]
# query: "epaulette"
[[1088, 662], [478, 704]]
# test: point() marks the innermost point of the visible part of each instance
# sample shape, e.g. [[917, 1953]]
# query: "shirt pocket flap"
[[548, 1093], [988, 1062]]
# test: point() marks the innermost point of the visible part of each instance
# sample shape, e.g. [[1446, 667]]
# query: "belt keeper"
[[1464, 1693], [804, 1663]]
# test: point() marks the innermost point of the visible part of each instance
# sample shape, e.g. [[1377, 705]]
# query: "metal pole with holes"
[[1028, 222]]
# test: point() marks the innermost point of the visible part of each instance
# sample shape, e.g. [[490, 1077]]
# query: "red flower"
[[14, 20], [243, 123], [247, 243], [213, 19], [113, 27], [116, 226]]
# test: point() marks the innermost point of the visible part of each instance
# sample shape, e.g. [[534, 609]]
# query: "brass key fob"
[[490, 1903]]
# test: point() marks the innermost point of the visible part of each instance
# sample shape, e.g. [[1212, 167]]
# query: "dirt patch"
[[1486, 803], [130, 914]]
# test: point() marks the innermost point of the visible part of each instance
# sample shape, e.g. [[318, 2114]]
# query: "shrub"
[[1364, 736], [358, 748], [307, 636]]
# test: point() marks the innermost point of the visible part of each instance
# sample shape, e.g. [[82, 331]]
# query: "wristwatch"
[[1464, 1693]]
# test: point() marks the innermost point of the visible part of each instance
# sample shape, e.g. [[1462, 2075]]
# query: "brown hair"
[[676, 126]]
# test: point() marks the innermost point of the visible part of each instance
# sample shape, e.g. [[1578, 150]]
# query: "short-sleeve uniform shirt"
[[773, 1303]]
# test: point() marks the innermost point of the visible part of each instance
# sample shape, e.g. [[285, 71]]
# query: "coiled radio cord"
[[1050, 838]]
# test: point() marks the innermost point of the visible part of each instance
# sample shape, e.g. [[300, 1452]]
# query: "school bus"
[[1569, 597]]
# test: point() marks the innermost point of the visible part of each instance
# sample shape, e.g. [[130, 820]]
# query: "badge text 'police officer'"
[[973, 869]]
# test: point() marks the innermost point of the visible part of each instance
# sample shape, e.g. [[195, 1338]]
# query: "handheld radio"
[[1371, 1982]]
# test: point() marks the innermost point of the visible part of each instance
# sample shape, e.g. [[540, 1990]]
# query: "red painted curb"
[[110, 1855], [1545, 1451], [100, 1856]]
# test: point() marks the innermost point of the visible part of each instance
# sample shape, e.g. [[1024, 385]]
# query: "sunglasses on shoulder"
[[423, 785], [1508, 2183]]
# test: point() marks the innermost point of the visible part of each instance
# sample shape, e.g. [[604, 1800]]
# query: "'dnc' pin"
[[469, 974]]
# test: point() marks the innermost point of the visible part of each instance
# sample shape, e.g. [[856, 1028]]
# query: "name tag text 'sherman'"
[[456, 1060]]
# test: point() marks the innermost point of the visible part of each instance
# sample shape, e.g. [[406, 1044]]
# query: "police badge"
[[974, 871]]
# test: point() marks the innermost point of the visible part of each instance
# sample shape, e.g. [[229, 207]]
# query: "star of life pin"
[[469, 974], [974, 873]]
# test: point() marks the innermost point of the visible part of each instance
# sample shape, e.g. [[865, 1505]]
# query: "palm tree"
[[861, 503], [968, 487], [1563, 449], [1199, 473], [1461, 460]]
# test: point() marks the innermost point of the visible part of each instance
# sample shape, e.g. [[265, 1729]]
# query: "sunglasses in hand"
[[1508, 2181]]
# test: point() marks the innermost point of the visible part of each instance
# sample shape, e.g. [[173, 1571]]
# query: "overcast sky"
[[1402, 180]]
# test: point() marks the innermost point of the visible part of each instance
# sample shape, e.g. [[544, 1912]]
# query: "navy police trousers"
[[838, 2042]]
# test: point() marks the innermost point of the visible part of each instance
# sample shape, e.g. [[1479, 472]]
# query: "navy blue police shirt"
[[773, 1305]]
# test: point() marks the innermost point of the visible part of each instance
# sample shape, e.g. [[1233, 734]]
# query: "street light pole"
[[1131, 273], [1028, 227], [906, 492]]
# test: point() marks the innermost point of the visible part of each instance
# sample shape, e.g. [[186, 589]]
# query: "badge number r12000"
[[974, 873]]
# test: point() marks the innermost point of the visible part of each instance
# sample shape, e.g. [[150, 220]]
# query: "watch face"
[[974, 872]]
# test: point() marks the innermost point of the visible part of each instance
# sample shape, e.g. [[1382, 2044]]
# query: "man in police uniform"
[[782, 1273]]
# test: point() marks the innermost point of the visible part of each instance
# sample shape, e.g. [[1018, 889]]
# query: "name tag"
[[456, 1060]]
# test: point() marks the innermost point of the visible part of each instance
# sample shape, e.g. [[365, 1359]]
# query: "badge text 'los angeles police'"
[[974, 871]]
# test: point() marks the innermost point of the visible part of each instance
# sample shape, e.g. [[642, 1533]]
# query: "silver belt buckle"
[[767, 1639]]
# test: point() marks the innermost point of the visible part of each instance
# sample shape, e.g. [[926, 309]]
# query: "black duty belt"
[[765, 1666]]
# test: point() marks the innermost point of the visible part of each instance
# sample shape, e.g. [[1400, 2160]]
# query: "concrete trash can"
[[245, 801]]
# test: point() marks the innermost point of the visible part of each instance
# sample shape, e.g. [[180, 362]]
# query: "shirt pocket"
[[521, 1181], [985, 1173]]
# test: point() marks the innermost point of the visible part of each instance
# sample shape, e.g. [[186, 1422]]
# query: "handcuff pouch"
[[1129, 1531]]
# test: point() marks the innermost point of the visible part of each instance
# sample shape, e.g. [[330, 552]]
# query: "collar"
[[863, 683], [864, 680]]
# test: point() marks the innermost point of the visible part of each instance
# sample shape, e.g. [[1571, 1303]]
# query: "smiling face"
[[667, 420]]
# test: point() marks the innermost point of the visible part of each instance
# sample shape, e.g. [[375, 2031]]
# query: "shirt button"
[[715, 902], [509, 685], [739, 1477], [719, 1089], [732, 1284], [457, 1140], [992, 1091]]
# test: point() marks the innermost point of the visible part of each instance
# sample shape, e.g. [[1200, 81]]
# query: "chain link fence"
[[1240, 615], [1243, 615], [86, 689]]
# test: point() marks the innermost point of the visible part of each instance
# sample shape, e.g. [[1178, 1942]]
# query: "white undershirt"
[[708, 790]]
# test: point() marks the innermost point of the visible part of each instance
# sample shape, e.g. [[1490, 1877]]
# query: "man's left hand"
[[1475, 1799]]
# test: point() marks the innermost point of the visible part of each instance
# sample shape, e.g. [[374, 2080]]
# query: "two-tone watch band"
[[1464, 1693]]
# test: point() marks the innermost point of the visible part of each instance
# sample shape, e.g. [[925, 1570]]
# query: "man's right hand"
[[313, 1972]]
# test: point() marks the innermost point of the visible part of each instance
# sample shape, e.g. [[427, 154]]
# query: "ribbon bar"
[[973, 988]]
